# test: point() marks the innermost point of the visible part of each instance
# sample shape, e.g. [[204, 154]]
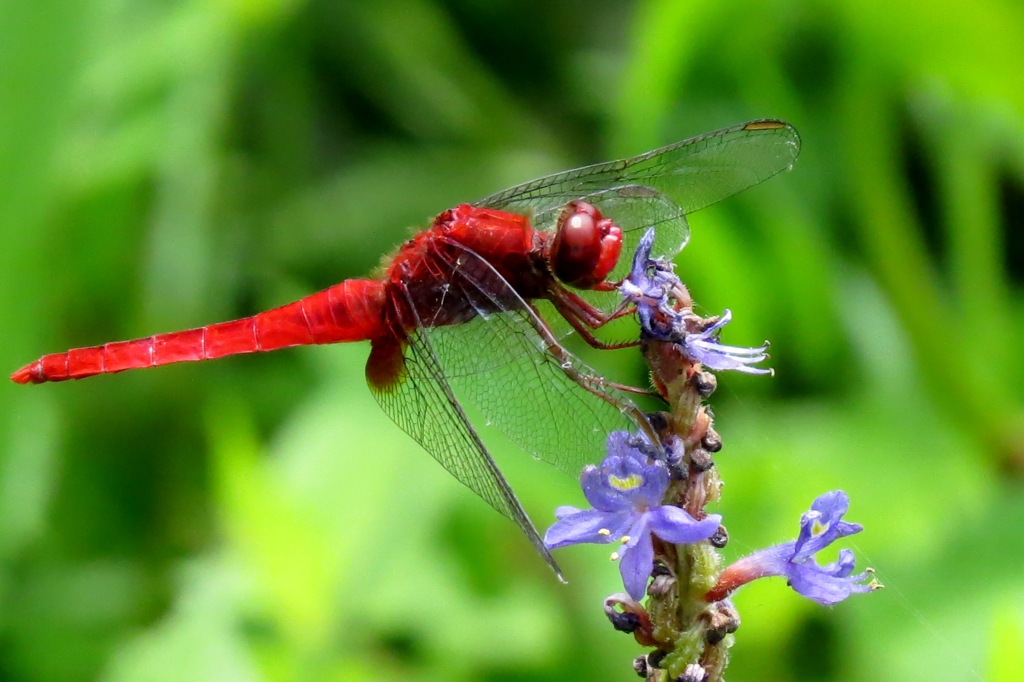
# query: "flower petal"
[[637, 560], [599, 494], [831, 505], [586, 526], [813, 582], [620, 444], [638, 273], [656, 480], [822, 524], [625, 483], [844, 566], [674, 525], [707, 350], [566, 510], [716, 356]]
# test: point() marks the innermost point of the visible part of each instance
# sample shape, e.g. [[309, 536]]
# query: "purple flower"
[[654, 288], [650, 285], [819, 527], [705, 349], [626, 494]]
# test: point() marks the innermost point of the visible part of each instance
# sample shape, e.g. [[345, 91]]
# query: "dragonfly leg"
[[626, 388], [592, 383], [606, 286], [582, 323], [592, 340], [586, 312]]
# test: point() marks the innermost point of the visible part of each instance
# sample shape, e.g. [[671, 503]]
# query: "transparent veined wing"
[[421, 401], [691, 174], [511, 367], [505, 362]]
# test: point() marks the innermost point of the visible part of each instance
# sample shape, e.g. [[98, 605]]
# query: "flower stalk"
[[655, 506], [693, 634]]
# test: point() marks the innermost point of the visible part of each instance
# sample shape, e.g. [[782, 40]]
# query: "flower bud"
[[700, 460], [655, 658], [711, 441], [705, 383], [722, 620], [720, 539]]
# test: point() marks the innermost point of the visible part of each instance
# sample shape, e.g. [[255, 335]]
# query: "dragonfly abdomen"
[[349, 311]]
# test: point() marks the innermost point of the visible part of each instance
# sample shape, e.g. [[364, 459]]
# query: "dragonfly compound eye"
[[586, 246]]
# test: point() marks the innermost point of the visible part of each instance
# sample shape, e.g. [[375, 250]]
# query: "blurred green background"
[[169, 164]]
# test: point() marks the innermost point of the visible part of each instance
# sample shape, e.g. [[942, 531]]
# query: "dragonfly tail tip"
[[25, 375]]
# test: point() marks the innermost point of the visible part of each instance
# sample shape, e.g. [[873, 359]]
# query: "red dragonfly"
[[474, 307]]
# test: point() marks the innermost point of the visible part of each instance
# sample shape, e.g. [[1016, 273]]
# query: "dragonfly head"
[[586, 246]]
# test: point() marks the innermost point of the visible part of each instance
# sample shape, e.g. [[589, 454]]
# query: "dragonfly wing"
[[421, 401], [693, 173], [508, 364]]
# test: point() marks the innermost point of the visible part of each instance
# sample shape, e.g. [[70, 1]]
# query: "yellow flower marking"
[[604, 531], [631, 482]]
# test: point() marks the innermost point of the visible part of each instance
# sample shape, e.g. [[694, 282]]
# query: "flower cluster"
[[626, 494], [653, 508], [653, 287]]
